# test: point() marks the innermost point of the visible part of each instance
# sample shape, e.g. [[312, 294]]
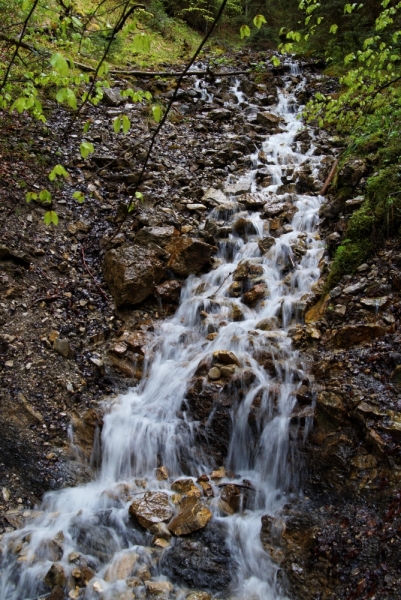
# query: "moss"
[[347, 259]]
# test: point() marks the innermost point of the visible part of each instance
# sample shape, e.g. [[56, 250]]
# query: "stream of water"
[[89, 526]]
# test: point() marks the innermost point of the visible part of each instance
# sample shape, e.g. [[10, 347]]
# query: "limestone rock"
[[266, 243], [152, 507], [169, 292], [193, 516], [231, 496], [63, 347], [159, 588], [268, 119], [253, 201], [188, 255], [199, 596], [214, 373], [56, 576], [239, 188], [131, 273], [214, 197]]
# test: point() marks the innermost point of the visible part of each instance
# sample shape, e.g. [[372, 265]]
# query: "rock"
[[159, 588], [231, 496], [137, 341], [236, 313], [352, 172], [225, 357], [63, 347], [218, 473], [160, 530], [253, 201], [194, 207], [268, 119], [228, 370], [352, 335], [187, 487], [247, 270], [199, 596], [266, 243], [255, 294], [156, 235], [132, 273], [220, 114], [121, 566], [161, 474], [374, 303], [331, 406], [236, 189], [188, 255], [112, 96], [340, 310], [244, 226], [213, 197], [169, 292], [56, 576], [207, 489], [214, 374], [151, 508], [201, 561], [193, 516], [20, 258], [355, 288], [269, 324]]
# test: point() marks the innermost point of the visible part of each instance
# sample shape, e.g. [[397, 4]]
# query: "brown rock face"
[[188, 255], [256, 293], [193, 516], [131, 273], [155, 235], [352, 335], [151, 508], [231, 496], [186, 486]]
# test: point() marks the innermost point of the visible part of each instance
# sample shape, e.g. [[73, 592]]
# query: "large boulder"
[[155, 235], [131, 273], [188, 255], [353, 335]]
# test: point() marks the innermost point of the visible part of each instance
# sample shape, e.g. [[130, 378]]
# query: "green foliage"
[[50, 217], [79, 197], [86, 148], [58, 171], [157, 113]]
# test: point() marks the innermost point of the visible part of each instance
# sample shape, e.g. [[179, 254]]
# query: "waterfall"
[[150, 426]]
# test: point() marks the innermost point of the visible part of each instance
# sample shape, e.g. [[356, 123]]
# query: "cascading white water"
[[149, 426]]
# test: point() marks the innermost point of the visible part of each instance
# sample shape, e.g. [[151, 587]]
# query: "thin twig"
[[102, 292]]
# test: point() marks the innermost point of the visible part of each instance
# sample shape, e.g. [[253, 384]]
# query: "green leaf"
[[117, 124], [58, 170], [244, 31], [86, 148], [141, 43], [126, 124], [259, 20], [157, 113], [148, 95], [31, 196], [333, 29], [103, 69], [20, 104], [76, 22], [79, 196], [139, 195], [45, 197], [60, 64], [50, 217], [87, 126], [276, 61]]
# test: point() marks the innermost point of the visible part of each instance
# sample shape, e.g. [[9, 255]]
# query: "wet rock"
[[236, 189], [374, 303], [169, 292], [266, 243], [16, 256], [132, 273], [159, 588], [231, 498], [236, 313], [160, 530], [214, 374], [244, 226], [255, 294], [151, 508], [330, 405], [207, 489], [56, 576], [187, 487], [214, 197], [121, 567], [156, 235], [199, 596], [193, 516], [352, 335], [247, 270], [161, 473], [268, 119], [352, 172], [226, 357], [253, 201], [269, 324], [188, 255], [201, 560]]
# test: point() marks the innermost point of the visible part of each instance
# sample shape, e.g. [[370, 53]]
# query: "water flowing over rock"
[[211, 429]]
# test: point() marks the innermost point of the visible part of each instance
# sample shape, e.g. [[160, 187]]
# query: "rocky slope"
[[78, 308]]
